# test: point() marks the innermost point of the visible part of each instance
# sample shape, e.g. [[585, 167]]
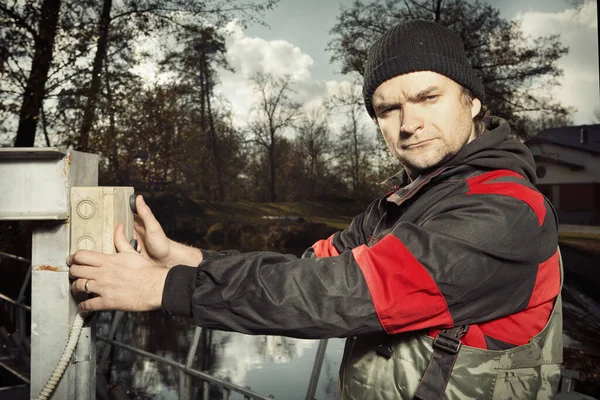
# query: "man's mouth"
[[416, 144]]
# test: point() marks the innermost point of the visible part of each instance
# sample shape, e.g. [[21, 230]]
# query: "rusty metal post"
[[36, 185]]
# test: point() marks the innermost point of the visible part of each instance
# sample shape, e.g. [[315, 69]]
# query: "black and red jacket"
[[473, 242]]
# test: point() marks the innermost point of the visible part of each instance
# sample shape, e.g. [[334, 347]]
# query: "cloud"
[[578, 30], [239, 354], [249, 55]]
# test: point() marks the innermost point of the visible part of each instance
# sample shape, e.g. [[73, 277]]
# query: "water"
[[269, 365]]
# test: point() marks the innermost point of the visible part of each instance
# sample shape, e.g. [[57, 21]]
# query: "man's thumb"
[[121, 242]]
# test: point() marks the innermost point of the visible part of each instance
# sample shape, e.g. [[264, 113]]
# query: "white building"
[[568, 171]]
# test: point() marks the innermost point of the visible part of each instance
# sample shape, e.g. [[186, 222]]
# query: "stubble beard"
[[414, 170]]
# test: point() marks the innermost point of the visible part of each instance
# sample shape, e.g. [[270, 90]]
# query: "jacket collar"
[[404, 189], [492, 140]]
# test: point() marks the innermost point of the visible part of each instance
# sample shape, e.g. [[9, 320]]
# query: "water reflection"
[[270, 365]]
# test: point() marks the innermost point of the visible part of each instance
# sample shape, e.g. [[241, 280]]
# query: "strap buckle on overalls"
[[446, 346], [450, 343]]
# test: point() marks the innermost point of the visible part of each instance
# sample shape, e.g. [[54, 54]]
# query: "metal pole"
[[314, 376], [13, 257], [185, 381], [14, 302], [37, 184], [117, 316], [21, 315], [246, 391], [205, 391], [53, 307]]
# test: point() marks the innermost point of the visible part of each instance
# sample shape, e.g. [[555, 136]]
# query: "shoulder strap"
[[445, 351]]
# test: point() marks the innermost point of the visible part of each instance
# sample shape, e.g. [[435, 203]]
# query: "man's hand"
[[124, 281], [155, 245], [152, 241]]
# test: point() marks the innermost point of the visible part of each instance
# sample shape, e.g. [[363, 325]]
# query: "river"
[[270, 365]]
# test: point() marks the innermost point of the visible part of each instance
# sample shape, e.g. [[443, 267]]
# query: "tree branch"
[[19, 20]]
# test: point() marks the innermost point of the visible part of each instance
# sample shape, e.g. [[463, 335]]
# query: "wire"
[[63, 363]]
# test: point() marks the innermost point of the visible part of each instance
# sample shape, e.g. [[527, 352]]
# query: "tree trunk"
[[272, 194], [36, 83], [356, 153], [205, 162], [89, 111], [438, 10], [120, 174], [216, 154]]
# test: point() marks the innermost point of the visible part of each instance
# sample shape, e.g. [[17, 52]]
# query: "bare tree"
[[34, 93], [354, 148], [313, 141], [272, 114], [158, 15], [95, 82]]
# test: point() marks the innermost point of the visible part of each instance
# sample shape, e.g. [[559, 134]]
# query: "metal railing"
[[186, 371], [224, 386], [18, 340]]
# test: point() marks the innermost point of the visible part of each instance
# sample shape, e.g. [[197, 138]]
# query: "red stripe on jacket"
[[405, 296], [521, 327], [325, 248], [481, 184]]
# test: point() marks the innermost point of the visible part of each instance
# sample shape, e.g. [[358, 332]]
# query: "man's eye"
[[384, 112], [431, 98]]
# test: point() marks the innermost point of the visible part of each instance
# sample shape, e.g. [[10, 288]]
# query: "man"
[[462, 250]]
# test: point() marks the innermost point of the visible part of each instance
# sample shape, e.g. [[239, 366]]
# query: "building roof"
[[556, 160], [581, 137]]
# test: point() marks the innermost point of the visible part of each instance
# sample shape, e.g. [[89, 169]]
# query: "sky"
[[296, 38]]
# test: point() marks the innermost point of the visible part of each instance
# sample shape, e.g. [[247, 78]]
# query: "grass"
[[336, 214]]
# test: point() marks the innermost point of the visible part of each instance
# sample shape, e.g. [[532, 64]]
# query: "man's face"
[[424, 118]]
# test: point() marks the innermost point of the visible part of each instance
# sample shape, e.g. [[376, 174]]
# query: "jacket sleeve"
[[212, 254], [470, 259]]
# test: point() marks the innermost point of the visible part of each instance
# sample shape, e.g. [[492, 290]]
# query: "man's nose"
[[410, 121]]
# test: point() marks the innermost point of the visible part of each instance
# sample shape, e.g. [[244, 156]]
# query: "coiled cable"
[[63, 363]]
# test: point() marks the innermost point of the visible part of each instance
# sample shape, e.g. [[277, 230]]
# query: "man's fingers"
[[83, 271], [85, 257], [79, 285], [93, 304], [148, 218], [121, 242], [138, 225]]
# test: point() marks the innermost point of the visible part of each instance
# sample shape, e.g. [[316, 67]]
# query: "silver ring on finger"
[[85, 286]]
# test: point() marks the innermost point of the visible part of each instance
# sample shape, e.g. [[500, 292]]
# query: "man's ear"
[[475, 107]]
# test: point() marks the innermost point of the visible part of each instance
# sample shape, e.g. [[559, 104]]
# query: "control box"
[[95, 213]]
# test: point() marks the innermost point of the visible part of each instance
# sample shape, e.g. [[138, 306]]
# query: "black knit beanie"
[[418, 45]]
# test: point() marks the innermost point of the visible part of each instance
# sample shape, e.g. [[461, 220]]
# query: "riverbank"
[[249, 226]]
